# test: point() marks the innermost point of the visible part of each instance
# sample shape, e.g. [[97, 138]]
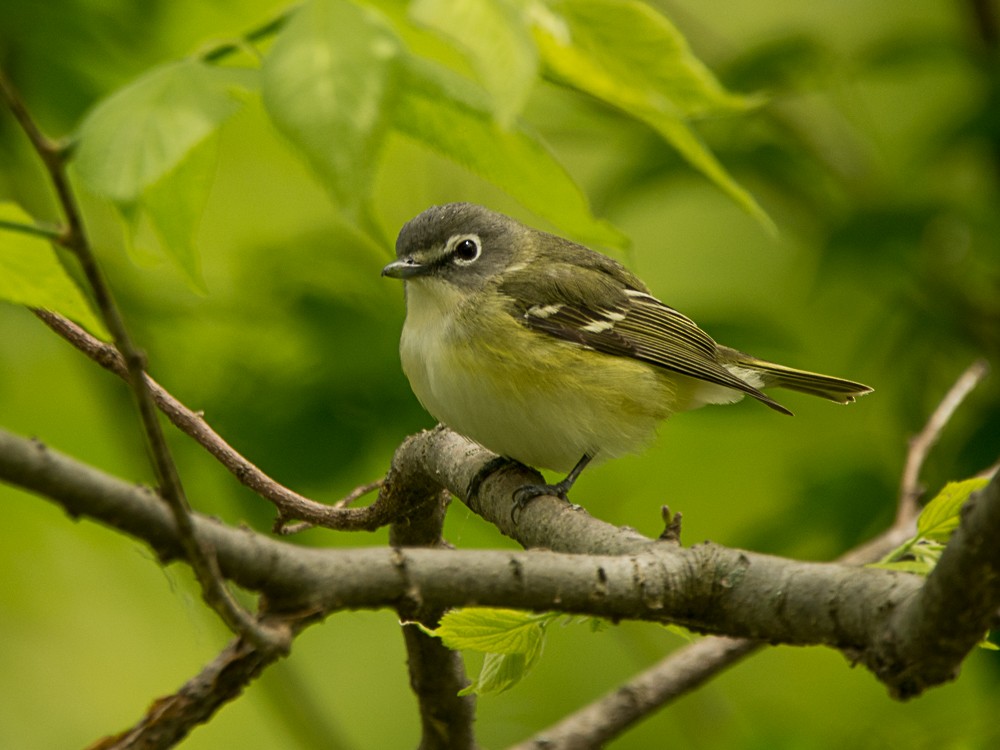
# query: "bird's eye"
[[467, 250]]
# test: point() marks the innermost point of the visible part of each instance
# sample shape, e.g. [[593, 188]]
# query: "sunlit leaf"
[[625, 51], [629, 56], [143, 131], [31, 274], [328, 83], [445, 113], [935, 526], [940, 517], [501, 672], [495, 38], [512, 641], [496, 631]]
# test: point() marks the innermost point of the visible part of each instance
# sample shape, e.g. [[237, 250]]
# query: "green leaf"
[[500, 672], [494, 37], [328, 83], [512, 641], [940, 517], [143, 131], [629, 56], [175, 203], [920, 567], [446, 113], [31, 274], [495, 631], [935, 526], [623, 50]]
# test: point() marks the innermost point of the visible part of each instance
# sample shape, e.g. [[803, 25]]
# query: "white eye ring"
[[466, 249]]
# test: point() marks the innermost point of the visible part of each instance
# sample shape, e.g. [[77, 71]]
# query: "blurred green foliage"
[[876, 155]]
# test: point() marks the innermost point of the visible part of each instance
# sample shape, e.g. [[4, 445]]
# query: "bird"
[[554, 355]]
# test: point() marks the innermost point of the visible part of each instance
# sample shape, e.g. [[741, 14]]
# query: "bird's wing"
[[612, 313]]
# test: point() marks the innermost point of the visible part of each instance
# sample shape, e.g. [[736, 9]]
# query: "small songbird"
[[552, 354]]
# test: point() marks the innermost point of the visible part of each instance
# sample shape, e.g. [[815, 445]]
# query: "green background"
[[877, 158]]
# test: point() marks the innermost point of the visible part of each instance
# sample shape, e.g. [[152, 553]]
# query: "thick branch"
[[706, 587], [457, 464]]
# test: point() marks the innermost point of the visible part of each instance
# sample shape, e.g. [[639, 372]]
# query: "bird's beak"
[[404, 268]]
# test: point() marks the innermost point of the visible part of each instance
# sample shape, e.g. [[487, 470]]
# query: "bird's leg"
[[527, 493]]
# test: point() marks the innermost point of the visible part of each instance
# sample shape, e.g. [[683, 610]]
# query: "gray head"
[[462, 243]]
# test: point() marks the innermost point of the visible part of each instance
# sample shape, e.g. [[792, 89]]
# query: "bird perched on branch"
[[552, 354]]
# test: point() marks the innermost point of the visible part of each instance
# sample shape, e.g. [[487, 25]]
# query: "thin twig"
[[290, 504], [332, 520], [910, 489], [607, 717], [171, 718], [74, 238]]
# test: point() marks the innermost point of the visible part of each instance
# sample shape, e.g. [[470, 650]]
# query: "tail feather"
[[778, 376]]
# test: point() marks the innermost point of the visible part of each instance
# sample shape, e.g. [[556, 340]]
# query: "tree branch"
[[437, 673], [74, 238], [170, 719], [910, 490], [707, 587], [943, 620], [608, 716]]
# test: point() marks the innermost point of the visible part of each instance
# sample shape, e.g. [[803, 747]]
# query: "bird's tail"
[[763, 374]]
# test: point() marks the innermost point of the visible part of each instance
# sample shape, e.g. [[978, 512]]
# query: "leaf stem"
[[266, 29], [38, 230]]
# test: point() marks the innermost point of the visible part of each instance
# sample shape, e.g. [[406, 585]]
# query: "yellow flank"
[[484, 391]]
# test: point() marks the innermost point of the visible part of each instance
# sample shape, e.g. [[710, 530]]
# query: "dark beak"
[[404, 268]]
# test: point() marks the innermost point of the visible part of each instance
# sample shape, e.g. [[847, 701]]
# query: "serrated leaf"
[[501, 672], [31, 274], [629, 56], [328, 83], [494, 37], [143, 131], [496, 631], [939, 518], [439, 109]]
